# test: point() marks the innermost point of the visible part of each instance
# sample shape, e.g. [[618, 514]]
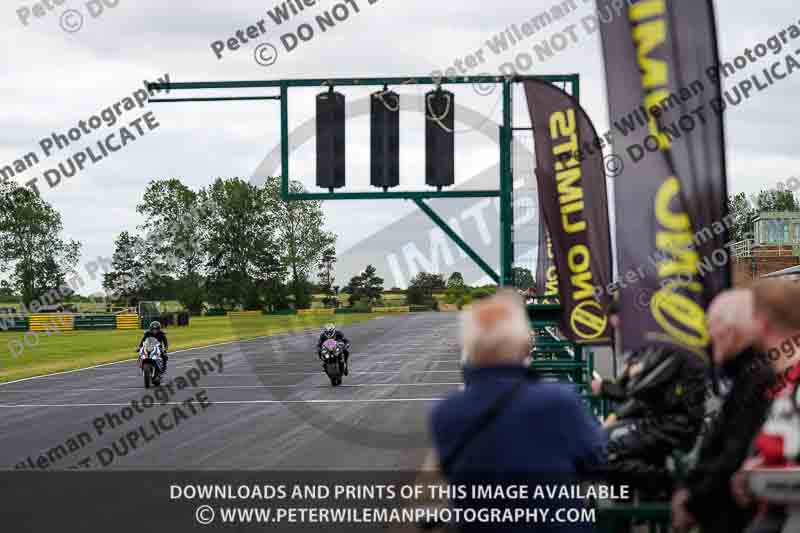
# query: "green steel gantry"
[[505, 190]]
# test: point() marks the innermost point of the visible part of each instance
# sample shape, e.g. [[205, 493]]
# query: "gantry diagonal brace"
[[457, 239]]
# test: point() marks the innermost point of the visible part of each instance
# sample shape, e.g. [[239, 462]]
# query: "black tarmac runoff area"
[[255, 404]]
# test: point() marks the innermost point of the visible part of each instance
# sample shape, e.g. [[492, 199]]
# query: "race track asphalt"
[[271, 407]]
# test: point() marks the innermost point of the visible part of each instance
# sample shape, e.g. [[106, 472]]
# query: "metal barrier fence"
[[52, 322], [93, 322]]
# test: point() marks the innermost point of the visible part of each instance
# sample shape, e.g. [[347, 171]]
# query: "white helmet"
[[329, 330]]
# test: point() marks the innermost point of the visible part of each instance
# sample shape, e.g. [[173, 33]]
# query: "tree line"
[[229, 244], [745, 209], [232, 243]]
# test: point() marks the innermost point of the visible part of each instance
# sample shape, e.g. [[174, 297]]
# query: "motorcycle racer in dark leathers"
[[330, 332], [156, 332]]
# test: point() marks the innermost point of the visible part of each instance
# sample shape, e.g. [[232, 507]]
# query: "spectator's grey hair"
[[495, 331]]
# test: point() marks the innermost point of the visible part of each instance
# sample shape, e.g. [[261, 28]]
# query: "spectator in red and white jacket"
[[776, 317], [705, 498]]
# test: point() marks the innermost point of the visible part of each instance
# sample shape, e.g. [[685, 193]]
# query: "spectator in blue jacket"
[[507, 426]]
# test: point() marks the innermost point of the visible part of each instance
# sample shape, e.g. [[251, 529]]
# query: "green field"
[[78, 349], [389, 299]]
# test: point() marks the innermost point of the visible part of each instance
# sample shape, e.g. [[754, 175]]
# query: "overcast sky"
[[53, 78]]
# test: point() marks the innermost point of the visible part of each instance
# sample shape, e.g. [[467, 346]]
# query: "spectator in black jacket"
[[615, 391], [663, 413], [707, 500], [660, 398]]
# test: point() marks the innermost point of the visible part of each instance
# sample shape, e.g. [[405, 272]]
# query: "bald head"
[[496, 331], [730, 323]]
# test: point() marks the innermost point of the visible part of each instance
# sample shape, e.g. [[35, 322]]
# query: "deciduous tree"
[[241, 246], [126, 279], [743, 213], [523, 278], [372, 285], [32, 247], [300, 234], [422, 286], [174, 225]]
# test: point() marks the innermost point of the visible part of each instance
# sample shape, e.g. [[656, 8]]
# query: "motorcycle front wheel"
[[148, 371]]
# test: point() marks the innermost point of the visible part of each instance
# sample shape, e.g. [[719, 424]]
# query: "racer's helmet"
[[155, 326], [329, 330]]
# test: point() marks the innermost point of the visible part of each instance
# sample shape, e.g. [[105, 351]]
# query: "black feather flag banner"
[[573, 201], [670, 199]]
